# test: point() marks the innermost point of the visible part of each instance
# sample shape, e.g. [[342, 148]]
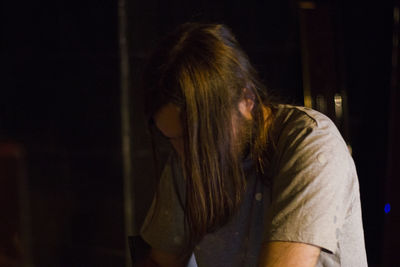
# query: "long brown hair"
[[202, 69]]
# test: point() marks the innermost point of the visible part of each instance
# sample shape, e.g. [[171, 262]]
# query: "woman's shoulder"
[[292, 119], [300, 128]]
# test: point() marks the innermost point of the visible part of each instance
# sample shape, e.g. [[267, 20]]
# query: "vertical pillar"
[[125, 127], [392, 218], [323, 82]]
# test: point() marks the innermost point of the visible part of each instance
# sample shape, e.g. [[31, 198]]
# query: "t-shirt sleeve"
[[163, 227], [312, 190]]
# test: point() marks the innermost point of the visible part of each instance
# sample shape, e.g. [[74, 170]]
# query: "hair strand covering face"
[[202, 69]]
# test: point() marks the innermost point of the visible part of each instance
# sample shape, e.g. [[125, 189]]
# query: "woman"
[[251, 183]]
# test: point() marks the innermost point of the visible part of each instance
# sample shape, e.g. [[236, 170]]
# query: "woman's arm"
[[288, 254]]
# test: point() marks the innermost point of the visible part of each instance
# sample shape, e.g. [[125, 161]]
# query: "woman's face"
[[168, 121]]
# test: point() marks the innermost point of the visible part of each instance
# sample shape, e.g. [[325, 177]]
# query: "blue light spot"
[[387, 208]]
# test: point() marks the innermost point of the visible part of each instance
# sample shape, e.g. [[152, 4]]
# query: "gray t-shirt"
[[314, 198]]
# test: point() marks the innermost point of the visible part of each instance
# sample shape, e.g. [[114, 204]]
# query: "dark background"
[[60, 103]]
